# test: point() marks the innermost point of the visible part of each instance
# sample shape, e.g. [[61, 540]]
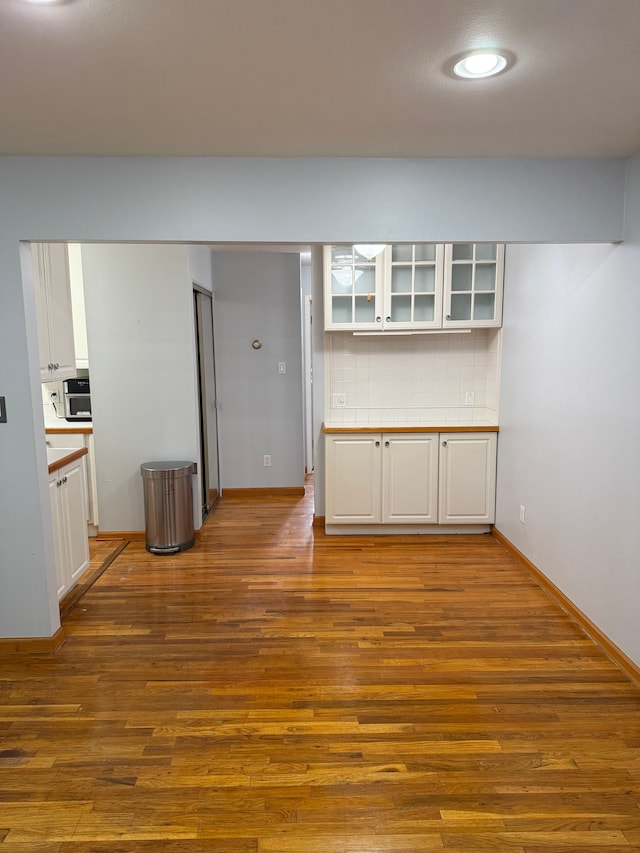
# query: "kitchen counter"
[[58, 457], [368, 428], [60, 425]]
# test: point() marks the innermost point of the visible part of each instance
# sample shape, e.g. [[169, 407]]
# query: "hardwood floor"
[[274, 690]]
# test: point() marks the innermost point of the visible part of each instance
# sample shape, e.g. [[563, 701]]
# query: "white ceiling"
[[352, 78]]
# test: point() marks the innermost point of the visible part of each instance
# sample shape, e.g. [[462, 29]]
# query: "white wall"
[[417, 379], [139, 310], [260, 410], [200, 268], [569, 447], [251, 200]]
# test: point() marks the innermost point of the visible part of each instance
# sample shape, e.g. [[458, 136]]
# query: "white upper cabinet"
[[353, 289], [416, 287], [473, 284], [53, 303], [413, 290]]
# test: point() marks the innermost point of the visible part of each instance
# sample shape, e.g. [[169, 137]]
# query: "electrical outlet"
[[521, 515], [469, 398], [339, 401], [267, 460]]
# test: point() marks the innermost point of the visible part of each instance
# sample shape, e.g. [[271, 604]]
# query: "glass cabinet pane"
[[401, 280], [424, 308], [365, 280], [425, 252], [341, 255], [342, 280], [425, 280], [485, 277], [461, 277], [462, 251], [486, 251], [341, 309], [364, 309], [401, 308], [402, 253], [460, 306], [484, 306]]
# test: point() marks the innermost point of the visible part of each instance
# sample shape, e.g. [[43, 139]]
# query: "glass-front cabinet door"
[[413, 291], [353, 289], [473, 284]]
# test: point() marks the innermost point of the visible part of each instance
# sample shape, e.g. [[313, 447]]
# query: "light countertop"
[[59, 425], [58, 457], [476, 426]]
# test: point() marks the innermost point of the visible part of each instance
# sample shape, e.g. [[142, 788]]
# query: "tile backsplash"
[[389, 379]]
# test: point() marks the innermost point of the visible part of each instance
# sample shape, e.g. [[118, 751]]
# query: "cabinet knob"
[[448, 316], [56, 365], [64, 479], [386, 444], [377, 444], [50, 366], [387, 319], [378, 319], [58, 483], [444, 443]]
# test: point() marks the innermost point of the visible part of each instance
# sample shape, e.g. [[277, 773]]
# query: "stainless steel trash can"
[[168, 506]]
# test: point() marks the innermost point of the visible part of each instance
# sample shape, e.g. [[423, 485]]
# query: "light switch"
[[282, 367]]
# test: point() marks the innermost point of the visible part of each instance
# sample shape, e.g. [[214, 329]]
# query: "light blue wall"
[[569, 448], [257, 297], [201, 199]]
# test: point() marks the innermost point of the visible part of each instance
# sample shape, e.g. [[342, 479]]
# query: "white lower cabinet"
[[419, 479], [75, 440], [409, 478], [67, 492], [354, 466], [467, 480]]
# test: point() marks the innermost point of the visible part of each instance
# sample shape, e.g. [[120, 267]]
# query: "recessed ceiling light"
[[481, 63]]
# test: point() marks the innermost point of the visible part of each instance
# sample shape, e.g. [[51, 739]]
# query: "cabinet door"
[[410, 478], [467, 478], [54, 313], [352, 289], [352, 483], [59, 549], [473, 277], [74, 502], [413, 286], [74, 440]]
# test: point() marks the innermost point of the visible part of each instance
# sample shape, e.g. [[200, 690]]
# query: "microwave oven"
[[76, 397]]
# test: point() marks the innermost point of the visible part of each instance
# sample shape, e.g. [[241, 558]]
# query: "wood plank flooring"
[[274, 690]]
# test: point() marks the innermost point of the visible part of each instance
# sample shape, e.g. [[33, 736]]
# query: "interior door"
[[209, 453]]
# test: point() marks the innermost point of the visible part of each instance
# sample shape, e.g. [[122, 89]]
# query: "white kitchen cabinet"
[[353, 481], [54, 313], [414, 287], [381, 478], [67, 492], [75, 440], [474, 274], [409, 478], [467, 480], [353, 289], [421, 479]]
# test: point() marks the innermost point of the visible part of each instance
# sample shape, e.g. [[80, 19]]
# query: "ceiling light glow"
[[369, 250], [480, 63]]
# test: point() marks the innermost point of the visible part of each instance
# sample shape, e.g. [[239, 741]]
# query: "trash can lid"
[[166, 469]]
